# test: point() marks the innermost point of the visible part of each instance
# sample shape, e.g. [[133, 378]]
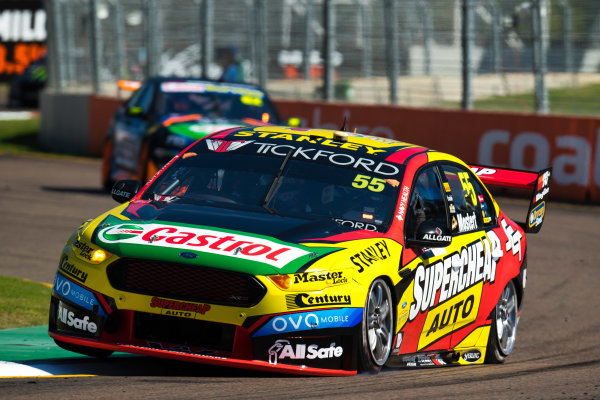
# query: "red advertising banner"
[[22, 35], [571, 145]]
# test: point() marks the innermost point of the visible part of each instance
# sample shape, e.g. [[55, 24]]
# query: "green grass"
[[23, 303], [20, 136], [581, 100]]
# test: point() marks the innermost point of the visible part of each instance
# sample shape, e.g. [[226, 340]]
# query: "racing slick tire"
[[107, 181], [503, 332], [377, 328], [88, 351]]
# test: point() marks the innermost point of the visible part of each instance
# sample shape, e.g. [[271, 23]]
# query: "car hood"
[[244, 241]]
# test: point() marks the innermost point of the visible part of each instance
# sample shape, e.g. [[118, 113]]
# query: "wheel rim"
[[380, 323], [506, 319]]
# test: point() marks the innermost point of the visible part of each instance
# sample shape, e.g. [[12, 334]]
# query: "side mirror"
[[135, 112], [125, 189], [294, 122], [431, 234]]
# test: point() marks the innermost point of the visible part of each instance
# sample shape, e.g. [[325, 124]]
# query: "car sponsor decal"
[[451, 315], [202, 87], [71, 270], [71, 291], [366, 257], [84, 250], [305, 300], [403, 203], [179, 308], [283, 350], [319, 319], [221, 146], [467, 222], [513, 243], [356, 224], [312, 136], [455, 273], [537, 215], [72, 320], [471, 356], [203, 240], [328, 277], [543, 186], [328, 154]]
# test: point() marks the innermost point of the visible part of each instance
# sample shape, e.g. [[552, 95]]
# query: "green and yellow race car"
[[302, 251]]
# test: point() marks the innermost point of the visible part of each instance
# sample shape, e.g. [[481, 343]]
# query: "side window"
[[142, 98], [464, 199], [426, 202], [488, 213]]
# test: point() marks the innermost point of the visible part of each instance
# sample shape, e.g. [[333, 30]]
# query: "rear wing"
[[538, 182]]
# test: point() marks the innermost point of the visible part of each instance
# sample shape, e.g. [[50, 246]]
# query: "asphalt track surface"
[[557, 354]]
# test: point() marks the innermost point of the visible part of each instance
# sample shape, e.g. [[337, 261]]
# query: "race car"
[[302, 251], [165, 115]]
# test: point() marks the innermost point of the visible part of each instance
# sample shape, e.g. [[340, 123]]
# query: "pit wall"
[[571, 145]]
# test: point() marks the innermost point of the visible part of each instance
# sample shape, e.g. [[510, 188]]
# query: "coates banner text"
[[22, 35], [571, 145]]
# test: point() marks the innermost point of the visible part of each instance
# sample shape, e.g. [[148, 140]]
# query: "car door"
[[130, 126], [426, 203], [473, 265]]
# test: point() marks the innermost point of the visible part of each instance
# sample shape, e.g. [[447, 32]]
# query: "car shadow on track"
[[94, 191]]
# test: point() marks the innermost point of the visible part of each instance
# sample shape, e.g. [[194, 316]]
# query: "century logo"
[[303, 300], [70, 269], [208, 241]]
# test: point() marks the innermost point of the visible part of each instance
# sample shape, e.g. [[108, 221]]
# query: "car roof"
[[160, 79]]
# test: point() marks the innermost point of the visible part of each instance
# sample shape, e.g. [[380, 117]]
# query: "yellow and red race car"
[[303, 251]]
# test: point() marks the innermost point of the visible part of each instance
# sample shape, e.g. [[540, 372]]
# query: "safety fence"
[[433, 53]]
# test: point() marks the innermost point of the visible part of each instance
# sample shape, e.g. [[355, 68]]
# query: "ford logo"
[[188, 255]]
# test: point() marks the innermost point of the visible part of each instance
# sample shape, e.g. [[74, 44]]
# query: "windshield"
[[303, 189], [234, 104]]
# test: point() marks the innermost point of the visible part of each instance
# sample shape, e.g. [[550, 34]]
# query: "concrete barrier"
[[77, 124]]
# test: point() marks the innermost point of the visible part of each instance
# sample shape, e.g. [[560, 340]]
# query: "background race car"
[[165, 115], [304, 251]]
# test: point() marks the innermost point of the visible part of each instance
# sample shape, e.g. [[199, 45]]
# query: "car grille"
[[186, 332], [185, 282]]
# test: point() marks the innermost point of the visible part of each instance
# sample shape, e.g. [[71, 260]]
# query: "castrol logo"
[[202, 240]]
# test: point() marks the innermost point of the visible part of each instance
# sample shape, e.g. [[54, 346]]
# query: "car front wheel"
[[377, 328], [503, 332]]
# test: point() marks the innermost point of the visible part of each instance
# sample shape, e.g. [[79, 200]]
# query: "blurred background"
[[425, 53], [506, 83]]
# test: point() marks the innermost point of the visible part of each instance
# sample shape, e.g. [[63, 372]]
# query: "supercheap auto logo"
[[204, 240]]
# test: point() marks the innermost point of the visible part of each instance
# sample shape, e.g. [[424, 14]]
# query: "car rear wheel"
[[88, 351], [377, 328], [503, 332]]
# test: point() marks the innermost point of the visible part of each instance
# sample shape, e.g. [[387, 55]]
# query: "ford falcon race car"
[[165, 115], [302, 251]]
